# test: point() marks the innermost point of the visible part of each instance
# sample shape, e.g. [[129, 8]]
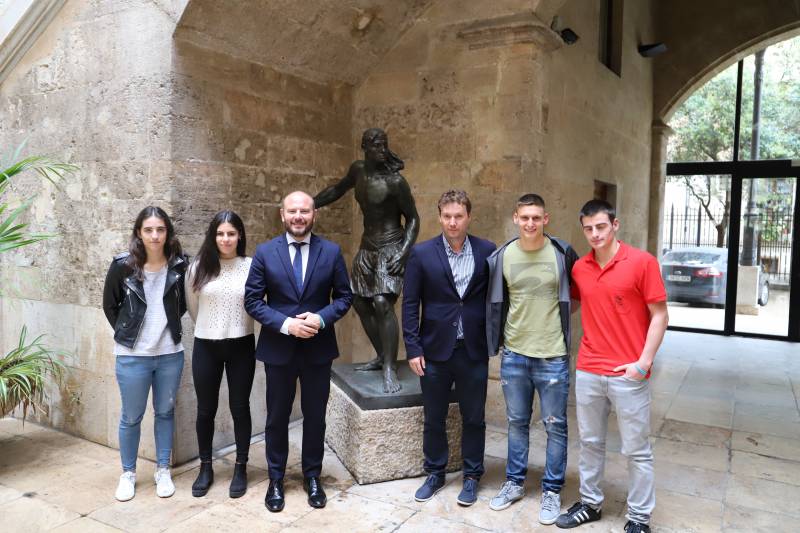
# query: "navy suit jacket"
[[429, 284], [326, 291]]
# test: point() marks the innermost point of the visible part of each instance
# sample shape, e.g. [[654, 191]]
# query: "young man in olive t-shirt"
[[528, 314]]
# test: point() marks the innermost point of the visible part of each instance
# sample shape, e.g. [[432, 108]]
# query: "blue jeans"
[[135, 376], [520, 377]]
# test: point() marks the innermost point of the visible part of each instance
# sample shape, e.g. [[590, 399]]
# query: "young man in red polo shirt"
[[624, 316]]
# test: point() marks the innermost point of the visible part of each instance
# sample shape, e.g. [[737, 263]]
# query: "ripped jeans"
[[520, 377]]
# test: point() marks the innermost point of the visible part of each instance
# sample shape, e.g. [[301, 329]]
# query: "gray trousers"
[[595, 395]]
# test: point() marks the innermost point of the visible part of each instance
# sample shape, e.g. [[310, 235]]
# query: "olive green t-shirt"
[[533, 325]]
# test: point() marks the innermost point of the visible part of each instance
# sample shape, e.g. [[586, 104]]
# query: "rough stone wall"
[[152, 119], [95, 90], [511, 117], [243, 136], [599, 124], [453, 116], [155, 115], [321, 40]]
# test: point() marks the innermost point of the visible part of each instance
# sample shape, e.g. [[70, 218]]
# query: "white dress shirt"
[[304, 250]]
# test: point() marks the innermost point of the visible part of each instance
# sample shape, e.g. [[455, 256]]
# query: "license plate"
[[674, 277]]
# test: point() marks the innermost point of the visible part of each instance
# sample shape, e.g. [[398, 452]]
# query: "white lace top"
[[218, 309]]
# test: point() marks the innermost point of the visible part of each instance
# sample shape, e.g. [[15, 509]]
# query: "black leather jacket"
[[124, 302]]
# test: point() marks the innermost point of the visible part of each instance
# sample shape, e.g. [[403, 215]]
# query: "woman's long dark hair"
[[138, 254], [206, 265]]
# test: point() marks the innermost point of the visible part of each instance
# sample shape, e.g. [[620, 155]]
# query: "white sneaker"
[[509, 493], [164, 486], [550, 508], [127, 486]]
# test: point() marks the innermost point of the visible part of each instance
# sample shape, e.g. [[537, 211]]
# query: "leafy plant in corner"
[[25, 370]]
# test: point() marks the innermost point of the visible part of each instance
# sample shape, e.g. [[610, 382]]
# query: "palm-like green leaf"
[[13, 235], [24, 372], [49, 169]]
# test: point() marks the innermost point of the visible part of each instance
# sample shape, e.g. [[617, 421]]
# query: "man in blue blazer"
[[304, 279], [447, 277]]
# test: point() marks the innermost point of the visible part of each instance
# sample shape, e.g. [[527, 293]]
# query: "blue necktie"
[[297, 265]]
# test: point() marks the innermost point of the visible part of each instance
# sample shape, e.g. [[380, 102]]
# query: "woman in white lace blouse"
[[223, 339]]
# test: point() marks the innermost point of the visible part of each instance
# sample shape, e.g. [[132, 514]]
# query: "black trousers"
[[315, 386], [237, 358], [471, 379]]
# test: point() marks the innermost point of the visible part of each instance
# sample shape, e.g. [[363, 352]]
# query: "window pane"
[[765, 256], [695, 256], [703, 124], [776, 135]]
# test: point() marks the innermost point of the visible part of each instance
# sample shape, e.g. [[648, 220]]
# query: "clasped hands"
[[305, 325]]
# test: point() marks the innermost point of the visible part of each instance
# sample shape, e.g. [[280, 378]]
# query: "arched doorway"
[[730, 211]]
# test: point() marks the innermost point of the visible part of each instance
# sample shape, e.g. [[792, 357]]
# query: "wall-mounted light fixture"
[[567, 35], [651, 50]]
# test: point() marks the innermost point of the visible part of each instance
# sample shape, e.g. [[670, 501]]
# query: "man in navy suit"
[[447, 276], [304, 278]]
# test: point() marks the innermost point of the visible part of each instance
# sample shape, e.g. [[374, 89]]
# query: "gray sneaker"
[[509, 493], [550, 508]]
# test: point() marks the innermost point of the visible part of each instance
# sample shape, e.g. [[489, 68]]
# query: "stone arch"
[[703, 38], [272, 95], [723, 63], [706, 37], [198, 105]]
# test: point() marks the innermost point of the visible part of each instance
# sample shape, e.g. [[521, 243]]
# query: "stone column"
[[513, 129], [658, 173]]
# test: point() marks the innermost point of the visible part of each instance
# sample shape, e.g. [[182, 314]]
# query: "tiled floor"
[[726, 433]]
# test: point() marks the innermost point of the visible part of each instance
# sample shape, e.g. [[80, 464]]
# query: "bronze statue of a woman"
[[391, 225]]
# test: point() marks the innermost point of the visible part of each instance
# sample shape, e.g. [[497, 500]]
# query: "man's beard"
[[298, 234]]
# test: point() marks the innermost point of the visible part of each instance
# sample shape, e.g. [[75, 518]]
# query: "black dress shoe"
[[316, 495], [274, 501]]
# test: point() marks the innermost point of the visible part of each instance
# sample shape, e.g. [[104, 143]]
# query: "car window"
[[688, 256]]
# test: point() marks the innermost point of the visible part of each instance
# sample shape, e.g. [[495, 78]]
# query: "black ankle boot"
[[204, 480], [239, 481]]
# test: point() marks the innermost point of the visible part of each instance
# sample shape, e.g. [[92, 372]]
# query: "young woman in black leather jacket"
[[144, 300]]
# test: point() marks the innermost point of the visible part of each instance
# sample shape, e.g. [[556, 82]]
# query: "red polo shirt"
[[614, 311]]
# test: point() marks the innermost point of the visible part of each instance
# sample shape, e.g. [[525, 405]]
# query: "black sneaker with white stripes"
[[578, 514], [636, 527]]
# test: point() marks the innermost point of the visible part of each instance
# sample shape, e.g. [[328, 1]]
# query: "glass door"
[[694, 259], [766, 238]]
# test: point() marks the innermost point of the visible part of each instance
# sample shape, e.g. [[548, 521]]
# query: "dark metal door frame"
[[740, 171]]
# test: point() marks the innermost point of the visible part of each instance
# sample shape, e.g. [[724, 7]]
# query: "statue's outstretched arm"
[[337, 190]]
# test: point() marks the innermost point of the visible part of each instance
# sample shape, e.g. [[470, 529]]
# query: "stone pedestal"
[[747, 290], [381, 444]]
